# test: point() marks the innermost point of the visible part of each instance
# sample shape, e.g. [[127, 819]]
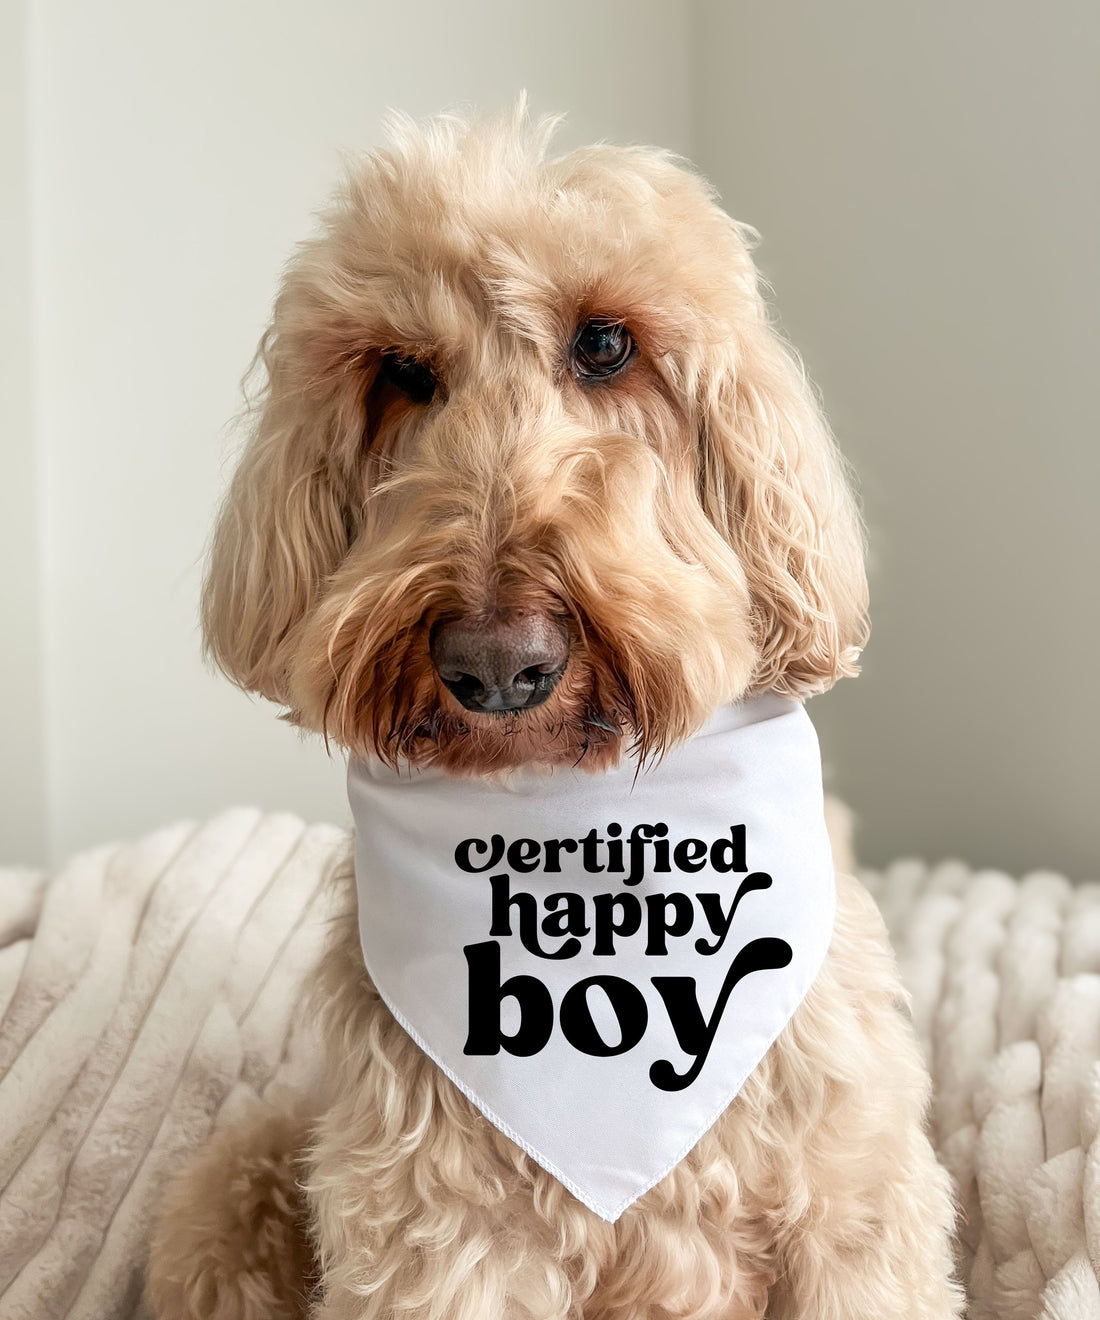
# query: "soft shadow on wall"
[[927, 183]]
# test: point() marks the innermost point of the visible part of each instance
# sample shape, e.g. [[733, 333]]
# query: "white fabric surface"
[[1005, 981], [456, 884], [147, 989]]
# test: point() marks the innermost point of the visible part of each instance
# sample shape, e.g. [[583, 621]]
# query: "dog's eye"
[[410, 375], [601, 348]]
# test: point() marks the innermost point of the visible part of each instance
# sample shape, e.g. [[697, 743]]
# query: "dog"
[[536, 483]]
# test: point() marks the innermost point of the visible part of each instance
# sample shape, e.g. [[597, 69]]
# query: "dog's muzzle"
[[502, 661]]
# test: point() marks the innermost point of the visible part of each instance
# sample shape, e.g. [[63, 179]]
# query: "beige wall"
[[22, 795], [926, 180]]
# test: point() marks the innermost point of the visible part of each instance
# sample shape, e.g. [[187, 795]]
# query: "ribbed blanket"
[[144, 990], [1005, 982], [148, 989]]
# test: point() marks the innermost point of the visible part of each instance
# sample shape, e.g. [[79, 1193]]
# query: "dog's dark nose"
[[501, 661]]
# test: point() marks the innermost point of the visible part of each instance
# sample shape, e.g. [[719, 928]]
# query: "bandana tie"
[[599, 961]]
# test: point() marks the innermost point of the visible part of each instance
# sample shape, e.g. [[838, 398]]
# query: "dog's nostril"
[[502, 661]]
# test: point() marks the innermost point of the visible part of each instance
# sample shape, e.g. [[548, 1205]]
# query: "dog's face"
[[534, 478]]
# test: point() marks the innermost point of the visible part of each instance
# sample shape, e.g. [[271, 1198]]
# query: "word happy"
[[566, 924]]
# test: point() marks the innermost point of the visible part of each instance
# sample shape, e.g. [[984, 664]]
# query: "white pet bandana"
[[599, 961]]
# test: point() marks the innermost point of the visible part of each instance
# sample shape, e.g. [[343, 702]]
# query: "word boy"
[[564, 924]]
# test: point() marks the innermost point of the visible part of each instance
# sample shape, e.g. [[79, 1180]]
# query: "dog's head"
[[534, 476]]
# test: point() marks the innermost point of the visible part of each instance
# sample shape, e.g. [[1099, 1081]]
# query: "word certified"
[[673, 928]]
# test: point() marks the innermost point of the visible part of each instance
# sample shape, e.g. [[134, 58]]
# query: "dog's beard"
[[659, 638], [394, 707], [584, 723], [479, 744], [644, 672]]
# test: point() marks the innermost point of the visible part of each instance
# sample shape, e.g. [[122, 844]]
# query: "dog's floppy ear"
[[775, 485], [282, 530]]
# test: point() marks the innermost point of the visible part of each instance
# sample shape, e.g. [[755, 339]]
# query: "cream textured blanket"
[[147, 989], [1005, 981], [144, 990]]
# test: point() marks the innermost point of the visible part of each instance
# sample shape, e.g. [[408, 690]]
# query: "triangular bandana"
[[599, 961]]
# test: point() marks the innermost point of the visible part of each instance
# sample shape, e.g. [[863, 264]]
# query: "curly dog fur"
[[687, 524]]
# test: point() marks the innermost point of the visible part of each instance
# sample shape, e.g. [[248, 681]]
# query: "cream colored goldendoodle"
[[540, 401]]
